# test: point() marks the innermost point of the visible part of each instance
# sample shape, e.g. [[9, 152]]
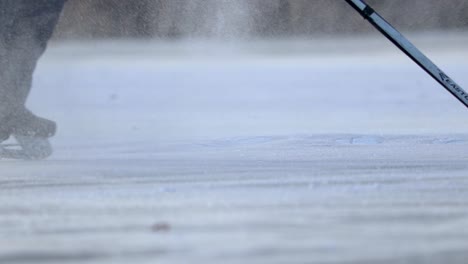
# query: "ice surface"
[[325, 151]]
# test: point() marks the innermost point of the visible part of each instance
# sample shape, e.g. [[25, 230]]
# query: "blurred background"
[[248, 18], [162, 70]]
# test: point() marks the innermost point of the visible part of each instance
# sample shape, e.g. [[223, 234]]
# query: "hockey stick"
[[409, 49]]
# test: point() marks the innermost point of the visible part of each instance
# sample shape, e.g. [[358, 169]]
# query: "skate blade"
[[28, 148]]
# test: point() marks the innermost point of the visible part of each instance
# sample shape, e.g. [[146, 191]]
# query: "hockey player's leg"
[[25, 30]]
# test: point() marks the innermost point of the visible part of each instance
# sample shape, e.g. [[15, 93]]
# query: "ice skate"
[[31, 134]]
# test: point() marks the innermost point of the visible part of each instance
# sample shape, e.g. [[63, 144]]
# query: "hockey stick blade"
[[409, 49]]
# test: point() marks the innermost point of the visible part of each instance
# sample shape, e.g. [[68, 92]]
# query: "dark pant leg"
[[25, 28]]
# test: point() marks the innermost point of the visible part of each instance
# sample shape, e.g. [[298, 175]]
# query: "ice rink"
[[319, 151]]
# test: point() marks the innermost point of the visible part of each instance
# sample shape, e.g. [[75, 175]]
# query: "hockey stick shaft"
[[409, 49]]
